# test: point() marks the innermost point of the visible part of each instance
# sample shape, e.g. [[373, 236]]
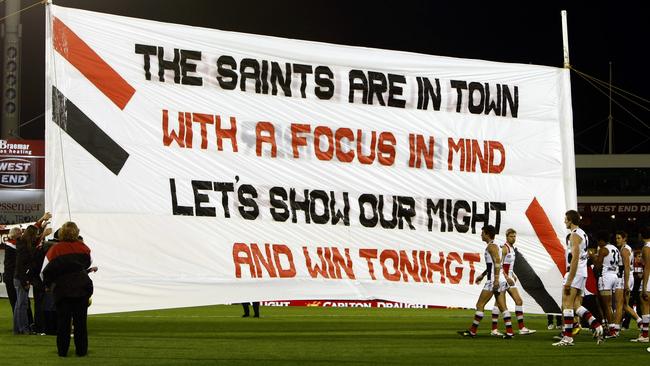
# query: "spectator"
[[10, 265], [256, 309], [65, 272]]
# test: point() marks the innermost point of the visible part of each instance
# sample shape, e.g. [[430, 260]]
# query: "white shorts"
[[578, 282], [608, 282], [620, 284], [503, 285]]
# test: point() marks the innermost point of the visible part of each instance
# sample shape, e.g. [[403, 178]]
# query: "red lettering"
[[323, 154], [223, 133], [366, 159], [203, 120], [259, 258], [340, 263], [168, 137], [471, 258], [241, 255], [438, 266], [283, 250], [297, 141], [386, 148], [265, 133], [496, 146], [418, 148], [453, 256], [394, 257], [369, 254], [339, 136], [407, 266], [315, 270]]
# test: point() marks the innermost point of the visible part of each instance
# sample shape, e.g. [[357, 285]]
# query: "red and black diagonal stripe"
[[70, 117]]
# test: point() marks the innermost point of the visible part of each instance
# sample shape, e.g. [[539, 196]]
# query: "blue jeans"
[[21, 320]]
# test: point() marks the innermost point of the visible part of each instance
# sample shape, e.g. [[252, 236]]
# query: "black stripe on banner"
[[86, 133], [533, 285]]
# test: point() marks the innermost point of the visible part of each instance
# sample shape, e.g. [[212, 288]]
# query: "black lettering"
[[323, 78], [280, 209], [378, 86], [358, 82], [176, 209], [322, 196], [490, 104], [395, 90], [509, 102], [248, 208], [406, 211], [303, 70], [169, 65], [147, 51], [299, 205], [477, 217], [426, 91], [498, 207], [199, 198], [459, 85], [224, 188], [283, 80], [372, 200], [254, 74], [187, 67], [461, 205], [337, 215], [432, 209], [475, 108], [226, 66], [382, 219]]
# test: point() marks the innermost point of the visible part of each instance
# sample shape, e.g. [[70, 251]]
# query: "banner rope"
[[592, 81], [54, 82], [43, 2]]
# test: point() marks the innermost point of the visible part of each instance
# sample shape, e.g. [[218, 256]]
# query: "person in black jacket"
[[65, 273]]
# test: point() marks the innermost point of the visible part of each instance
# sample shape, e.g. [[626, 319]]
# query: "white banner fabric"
[[208, 167]]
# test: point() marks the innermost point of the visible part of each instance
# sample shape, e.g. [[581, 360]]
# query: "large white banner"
[[208, 167]]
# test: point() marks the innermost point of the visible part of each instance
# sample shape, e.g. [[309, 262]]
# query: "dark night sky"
[[497, 31]]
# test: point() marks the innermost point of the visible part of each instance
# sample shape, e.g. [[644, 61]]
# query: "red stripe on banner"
[[546, 234], [93, 67]]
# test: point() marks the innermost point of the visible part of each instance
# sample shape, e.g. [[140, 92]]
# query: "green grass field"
[[307, 335]]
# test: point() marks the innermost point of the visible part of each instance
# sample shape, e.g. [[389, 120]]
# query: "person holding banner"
[[574, 281], [65, 272], [10, 265], [495, 285], [256, 309]]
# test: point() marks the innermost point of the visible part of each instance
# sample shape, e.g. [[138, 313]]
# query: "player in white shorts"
[[574, 280], [508, 259], [606, 263], [495, 285], [625, 282], [645, 286]]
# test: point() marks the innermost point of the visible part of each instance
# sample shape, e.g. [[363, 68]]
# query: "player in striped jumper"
[[574, 281], [508, 256], [494, 286]]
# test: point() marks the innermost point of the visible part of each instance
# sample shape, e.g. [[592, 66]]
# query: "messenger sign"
[[208, 167]]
